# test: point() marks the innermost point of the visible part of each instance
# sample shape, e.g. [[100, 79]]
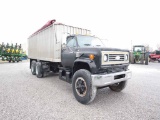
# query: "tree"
[[158, 46], [148, 48]]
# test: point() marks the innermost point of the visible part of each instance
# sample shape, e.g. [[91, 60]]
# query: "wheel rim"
[[81, 86]]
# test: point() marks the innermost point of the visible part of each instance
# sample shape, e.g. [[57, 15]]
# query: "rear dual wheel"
[[33, 67], [36, 69], [39, 71]]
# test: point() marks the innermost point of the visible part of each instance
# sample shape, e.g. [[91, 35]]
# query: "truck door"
[[69, 53]]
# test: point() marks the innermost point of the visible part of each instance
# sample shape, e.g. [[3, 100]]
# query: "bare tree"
[[158, 46], [148, 48]]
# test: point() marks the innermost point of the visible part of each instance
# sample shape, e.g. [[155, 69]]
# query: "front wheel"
[[117, 87], [82, 87]]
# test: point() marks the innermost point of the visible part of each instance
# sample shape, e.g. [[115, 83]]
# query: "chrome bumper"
[[99, 80]]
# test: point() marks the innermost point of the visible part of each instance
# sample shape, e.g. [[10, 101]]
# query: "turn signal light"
[[91, 56]]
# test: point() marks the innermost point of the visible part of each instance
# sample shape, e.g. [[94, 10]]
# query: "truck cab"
[[90, 52], [87, 55]]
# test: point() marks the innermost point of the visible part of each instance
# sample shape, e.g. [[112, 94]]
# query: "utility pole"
[[131, 45]]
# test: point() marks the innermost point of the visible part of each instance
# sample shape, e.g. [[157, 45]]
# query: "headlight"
[[126, 57], [105, 58]]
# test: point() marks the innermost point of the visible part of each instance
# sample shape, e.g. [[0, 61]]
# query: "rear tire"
[[142, 59], [146, 59], [39, 71], [118, 86], [132, 58], [82, 87], [33, 67]]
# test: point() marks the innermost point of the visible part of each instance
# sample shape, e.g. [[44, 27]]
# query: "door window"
[[71, 42]]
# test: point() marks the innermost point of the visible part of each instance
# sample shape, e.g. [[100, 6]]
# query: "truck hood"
[[111, 49], [97, 51], [103, 49]]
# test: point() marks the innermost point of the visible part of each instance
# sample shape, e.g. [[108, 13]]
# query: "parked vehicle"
[[139, 55], [155, 56], [80, 59], [11, 53]]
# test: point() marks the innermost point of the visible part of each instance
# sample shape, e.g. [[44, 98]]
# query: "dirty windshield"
[[89, 41], [139, 49]]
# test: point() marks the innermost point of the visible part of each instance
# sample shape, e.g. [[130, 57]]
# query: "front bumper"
[[101, 80]]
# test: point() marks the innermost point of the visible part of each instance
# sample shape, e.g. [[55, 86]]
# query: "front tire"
[[82, 87], [117, 87]]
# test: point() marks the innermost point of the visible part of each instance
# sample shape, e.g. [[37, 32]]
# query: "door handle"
[[71, 52]]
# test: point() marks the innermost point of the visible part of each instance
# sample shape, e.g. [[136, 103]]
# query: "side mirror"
[[64, 38], [63, 46]]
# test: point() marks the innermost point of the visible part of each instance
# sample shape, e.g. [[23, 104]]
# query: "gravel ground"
[[24, 96]]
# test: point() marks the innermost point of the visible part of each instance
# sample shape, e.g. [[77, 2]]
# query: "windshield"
[[157, 52], [89, 41], [138, 49]]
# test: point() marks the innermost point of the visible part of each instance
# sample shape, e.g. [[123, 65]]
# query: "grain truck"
[[80, 58]]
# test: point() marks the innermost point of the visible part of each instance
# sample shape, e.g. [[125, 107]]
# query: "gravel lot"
[[24, 96]]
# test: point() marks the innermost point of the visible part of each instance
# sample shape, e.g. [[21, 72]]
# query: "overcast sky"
[[118, 21]]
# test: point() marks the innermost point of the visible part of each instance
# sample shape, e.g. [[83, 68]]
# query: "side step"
[[64, 74]]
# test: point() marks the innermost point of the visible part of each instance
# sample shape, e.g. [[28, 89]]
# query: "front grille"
[[116, 57]]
